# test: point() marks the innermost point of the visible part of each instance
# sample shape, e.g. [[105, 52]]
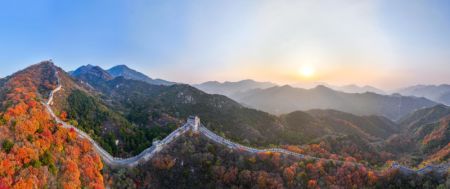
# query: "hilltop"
[[35, 151]]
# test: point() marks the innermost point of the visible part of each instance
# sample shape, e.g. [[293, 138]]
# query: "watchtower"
[[194, 121]]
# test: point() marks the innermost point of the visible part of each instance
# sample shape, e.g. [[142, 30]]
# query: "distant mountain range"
[[269, 97], [117, 71], [350, 88], [438, 93], [231, 88], [357, 89], [285, 99]]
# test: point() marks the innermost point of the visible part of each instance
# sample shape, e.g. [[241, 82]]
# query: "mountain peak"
[[128, 73], [247, 81], [121, 66], [231, 88], [46, 63], [322, 88], [91, 71]]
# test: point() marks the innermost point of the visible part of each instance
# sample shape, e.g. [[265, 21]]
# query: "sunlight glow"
[[307, 71]]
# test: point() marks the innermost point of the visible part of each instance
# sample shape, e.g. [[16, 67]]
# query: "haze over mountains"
[[232, 88], [352, 88], [285, 99], [438, 93]]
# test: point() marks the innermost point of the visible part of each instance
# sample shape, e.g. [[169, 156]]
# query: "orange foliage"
[[27, 183], [33, 133], [63, 116], [25, 155], [163, 162], [85, 146], [372, 177], [438, 133], [295, 149]]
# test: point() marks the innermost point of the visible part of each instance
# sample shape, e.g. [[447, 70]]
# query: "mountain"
[[358, 89], [128, 73], [438, 93], [86, 109], [231, 88], [145, 104], [367, 127], [424, 116], [285, 99], [351, 88], [94, 72], [36, 152], [426, 132], [314, 125]]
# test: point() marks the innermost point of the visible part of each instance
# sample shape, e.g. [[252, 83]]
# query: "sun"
[[307, 71]]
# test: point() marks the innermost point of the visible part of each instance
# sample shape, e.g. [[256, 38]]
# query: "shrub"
[[7, 145]]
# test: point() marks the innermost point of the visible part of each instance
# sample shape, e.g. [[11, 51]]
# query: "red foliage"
[[312, 184]]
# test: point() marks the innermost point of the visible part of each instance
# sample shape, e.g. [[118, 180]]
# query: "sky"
[[387, 44]]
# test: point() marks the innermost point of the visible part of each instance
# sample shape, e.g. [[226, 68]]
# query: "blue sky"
[[388, 44]]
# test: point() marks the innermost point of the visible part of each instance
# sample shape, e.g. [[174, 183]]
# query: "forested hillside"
[[194, 162], [82, 105], [35, 152], [148, 105], [426, 133]]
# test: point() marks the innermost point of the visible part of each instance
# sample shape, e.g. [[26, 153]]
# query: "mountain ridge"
[[439, 93], [229, 88], [117, 71], [126, 72], [284, 99]]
